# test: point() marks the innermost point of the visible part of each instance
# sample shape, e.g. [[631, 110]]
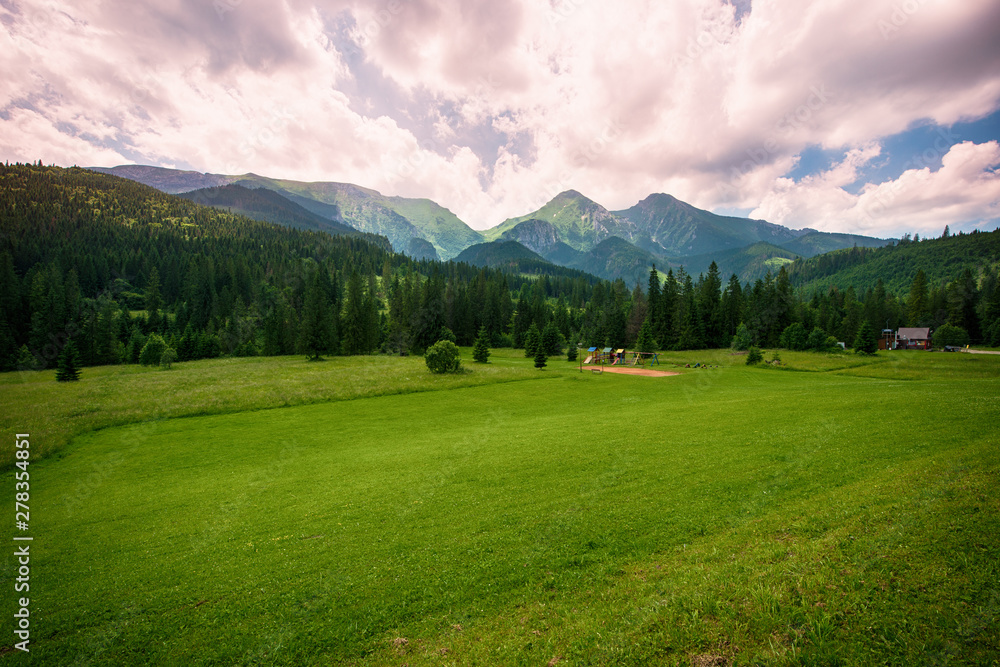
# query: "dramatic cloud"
[[491, 107]]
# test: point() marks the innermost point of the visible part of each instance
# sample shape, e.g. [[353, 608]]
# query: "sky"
[[876, 117]]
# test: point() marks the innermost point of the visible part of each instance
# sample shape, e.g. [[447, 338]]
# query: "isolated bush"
[[949, 334], [754, 356], [168, 357], [742, 340], [443, 357], [571, 352], [152, 350], [447, 334]]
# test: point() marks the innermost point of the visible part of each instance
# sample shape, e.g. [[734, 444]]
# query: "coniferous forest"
[[132, 275]]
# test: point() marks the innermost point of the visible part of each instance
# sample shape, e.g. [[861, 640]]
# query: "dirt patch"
[[646, 372], [981, 351]]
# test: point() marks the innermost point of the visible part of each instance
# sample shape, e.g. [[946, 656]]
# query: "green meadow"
[[832, 510]]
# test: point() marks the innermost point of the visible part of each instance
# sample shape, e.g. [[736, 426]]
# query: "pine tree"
[[314, 331], [532, 341], [917, 303], [550, 340], [645, 342], [69, 364], [540, 358], [866, 342], [481, 350]]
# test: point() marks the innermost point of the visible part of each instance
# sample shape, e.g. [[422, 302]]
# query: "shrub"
[[949, 334], [754, 356], [152, 350], [168, 357], [447, 334], [818, 340], [742, 340], [794, 337], [443, 357]]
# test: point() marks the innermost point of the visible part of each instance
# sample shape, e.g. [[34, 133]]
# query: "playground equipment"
[[619, 357]]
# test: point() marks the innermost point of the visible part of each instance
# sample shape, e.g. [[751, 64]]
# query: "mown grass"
[[107, 396], [728, 515]]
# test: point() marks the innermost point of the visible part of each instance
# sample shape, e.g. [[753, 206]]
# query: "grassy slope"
[[116, 395], [751, 514]]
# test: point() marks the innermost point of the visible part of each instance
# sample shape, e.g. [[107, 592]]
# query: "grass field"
[[833, 510]]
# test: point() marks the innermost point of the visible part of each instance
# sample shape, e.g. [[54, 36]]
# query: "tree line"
[[120, 268]]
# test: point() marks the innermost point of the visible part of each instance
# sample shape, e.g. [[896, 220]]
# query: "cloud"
[[491, 107], [965, 189]]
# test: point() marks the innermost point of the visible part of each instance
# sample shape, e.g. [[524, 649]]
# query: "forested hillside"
[[109, 263], [127, 272], [941, 260]]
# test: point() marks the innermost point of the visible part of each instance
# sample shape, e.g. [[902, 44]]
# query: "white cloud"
[[965, 189], [616, 101]]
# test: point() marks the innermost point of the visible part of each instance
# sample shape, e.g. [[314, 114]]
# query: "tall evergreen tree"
[[917, 304], [481, 349], [68, 369], [314, 328], [540, 358]]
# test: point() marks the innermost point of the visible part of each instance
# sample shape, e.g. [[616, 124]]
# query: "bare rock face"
[[538, 235]]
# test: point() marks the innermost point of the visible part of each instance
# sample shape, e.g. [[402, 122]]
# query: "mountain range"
[[570, 231]]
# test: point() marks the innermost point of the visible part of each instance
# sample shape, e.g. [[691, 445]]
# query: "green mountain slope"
[[580, 222], [677, 228], [615, 258], [397, 218], [749, 263], [941, 259], [269, 206], [513, 257], [816, 243]]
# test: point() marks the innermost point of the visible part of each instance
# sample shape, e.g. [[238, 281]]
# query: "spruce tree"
[[866, 342], [69, 364], [540, 358], [645, 342], [550, 340], [481, 349], [571, 352], [532, 341], [314, 331]]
